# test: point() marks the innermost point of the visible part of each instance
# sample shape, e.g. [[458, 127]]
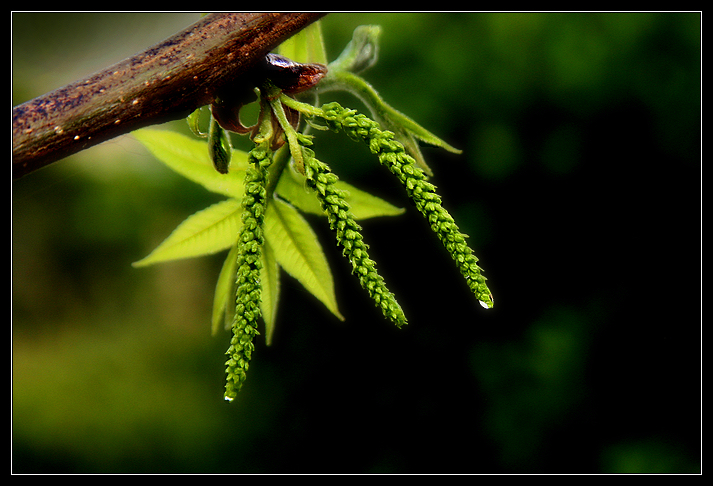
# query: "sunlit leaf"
[[297, 250], [270, 280], [208, 231], [305, 46], [224, 298], [189, 157]]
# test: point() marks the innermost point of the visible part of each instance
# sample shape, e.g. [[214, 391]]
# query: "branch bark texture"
[[165, 82]]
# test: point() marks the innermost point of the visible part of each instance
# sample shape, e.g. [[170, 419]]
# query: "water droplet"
[[484, 304]]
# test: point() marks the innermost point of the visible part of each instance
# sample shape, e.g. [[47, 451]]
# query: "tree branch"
[[165, 82]]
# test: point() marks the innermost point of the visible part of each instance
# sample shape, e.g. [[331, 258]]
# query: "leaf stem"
[[290, 132], [303, 108]]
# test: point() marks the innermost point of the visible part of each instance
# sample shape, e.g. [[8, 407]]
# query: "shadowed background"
[[580, 188]]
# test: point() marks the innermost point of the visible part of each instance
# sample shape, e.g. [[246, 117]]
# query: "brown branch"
[[165, 82]]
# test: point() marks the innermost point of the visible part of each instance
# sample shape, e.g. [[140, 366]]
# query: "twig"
[[165, 82]]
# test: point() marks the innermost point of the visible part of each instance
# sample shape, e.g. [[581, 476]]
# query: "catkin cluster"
[[392, 155], [348, 233], [250, 241]]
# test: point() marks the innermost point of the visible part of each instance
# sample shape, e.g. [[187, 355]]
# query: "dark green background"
[[580, 188]]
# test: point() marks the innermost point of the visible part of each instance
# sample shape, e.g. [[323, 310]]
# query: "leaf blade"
[[206, 232], [224, 290], [306, 46], [299, 253], [270, 282], [190, 158]]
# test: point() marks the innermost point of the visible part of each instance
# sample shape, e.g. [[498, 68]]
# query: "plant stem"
[[165, 82]]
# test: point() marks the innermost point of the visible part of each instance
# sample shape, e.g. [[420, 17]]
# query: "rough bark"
[[165, 82]]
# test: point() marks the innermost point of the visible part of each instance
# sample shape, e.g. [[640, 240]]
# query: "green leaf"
[[225, 292], [208, 231], [363, 205], [305, 46], [190, 158], [297, 250], [270, 281]]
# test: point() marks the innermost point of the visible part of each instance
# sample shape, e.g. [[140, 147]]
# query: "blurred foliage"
[[580, 171]]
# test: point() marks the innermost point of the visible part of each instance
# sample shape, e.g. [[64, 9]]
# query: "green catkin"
[[348, 234], [250, 242], [392, 154]]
